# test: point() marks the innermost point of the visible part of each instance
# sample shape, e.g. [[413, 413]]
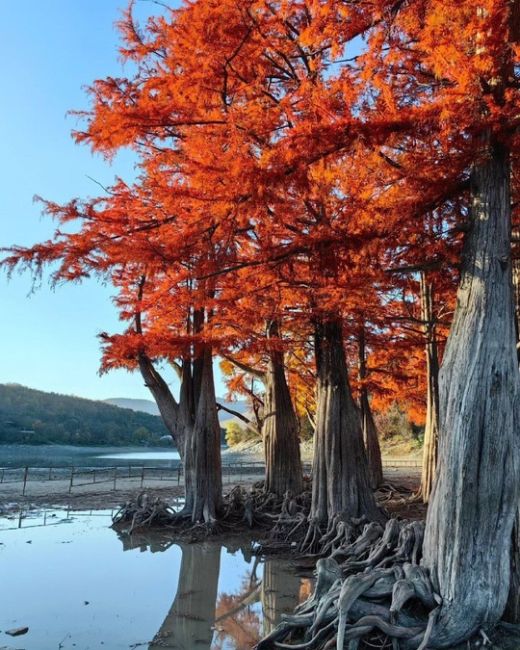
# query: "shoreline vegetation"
[[29, 416]]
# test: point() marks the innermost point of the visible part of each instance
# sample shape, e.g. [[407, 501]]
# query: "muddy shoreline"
[[102, 496]]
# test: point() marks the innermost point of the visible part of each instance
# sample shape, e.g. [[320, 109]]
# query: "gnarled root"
[[390, 599], [144, 511], [240, 508]]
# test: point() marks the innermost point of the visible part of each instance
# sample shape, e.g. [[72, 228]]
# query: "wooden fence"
[[141, 475]]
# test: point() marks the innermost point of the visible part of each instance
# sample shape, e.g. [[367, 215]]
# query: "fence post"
[[71, 479], [2, 480], [26, 471], [115, 477], [142, 476], [50, 472]]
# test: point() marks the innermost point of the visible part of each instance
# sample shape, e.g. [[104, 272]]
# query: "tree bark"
[[516, 292], [368, 426], [431, 429], [205, 480], [340, 470], [283, 468], [474, 500], [512, 612], [166, 402]]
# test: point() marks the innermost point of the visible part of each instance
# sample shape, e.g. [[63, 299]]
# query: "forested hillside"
[[35, 417]]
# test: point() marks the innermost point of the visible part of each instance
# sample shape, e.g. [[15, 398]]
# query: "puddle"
[[76, 584]]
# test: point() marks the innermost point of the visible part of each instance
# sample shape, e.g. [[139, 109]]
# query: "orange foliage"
[[297, 160]]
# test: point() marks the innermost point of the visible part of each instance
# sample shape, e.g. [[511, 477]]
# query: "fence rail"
[[141, 475], [401, 462]]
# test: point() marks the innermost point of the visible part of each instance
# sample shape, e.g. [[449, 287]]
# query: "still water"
[[77, 584], [67, 455], [160, 455]]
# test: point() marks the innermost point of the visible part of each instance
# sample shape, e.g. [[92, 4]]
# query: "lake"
[[78, 584], [67, 455]]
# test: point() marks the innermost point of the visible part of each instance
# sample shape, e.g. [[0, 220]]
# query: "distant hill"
[[149, 406], [31, 416], [142, 405]]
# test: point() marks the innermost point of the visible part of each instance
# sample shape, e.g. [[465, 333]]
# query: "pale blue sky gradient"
[[50, 50]]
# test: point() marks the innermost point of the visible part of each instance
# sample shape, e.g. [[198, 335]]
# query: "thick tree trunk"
[[431, 429], [368, 426], [189, 623], [205, 480], [193, 422], [283, 468], [178, 417], [516, 292], [512, 612], [340, 470], [471, 512], [186, 422], [371, 440]]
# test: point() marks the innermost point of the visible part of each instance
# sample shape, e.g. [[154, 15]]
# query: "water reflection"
[[75, 588], [204, 617], [155, 542], [189, 623], [280, 593]]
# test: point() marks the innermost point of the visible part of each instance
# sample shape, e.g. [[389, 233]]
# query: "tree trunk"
[[205, 480], [340, 470], [371, 440], [178, 417], [516, 292], [431, 429], [283, 468], [368, 426], [189, 623], [186, 422], [471, 512], [512, 612], [166, 402]]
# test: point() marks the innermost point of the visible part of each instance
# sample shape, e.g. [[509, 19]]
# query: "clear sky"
[[50, 50]]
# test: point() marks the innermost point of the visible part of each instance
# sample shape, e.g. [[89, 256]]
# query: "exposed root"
[[145, 512], [240, 509], [371, 592]]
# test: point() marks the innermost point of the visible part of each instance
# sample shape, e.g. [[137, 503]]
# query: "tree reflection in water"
[[189, 623], [204, 617]]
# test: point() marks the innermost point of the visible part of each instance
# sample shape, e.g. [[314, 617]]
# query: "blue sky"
[[50, 51]]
